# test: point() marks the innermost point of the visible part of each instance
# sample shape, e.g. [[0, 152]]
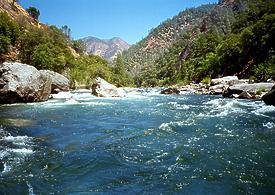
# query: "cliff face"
[[18, 13], [108, 48]]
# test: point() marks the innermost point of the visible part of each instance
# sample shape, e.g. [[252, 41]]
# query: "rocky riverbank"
[[229, 87], [24, 83]]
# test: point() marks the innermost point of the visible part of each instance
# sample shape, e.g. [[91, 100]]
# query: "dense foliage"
[[247, 52], [47, 47], [121, 76], [9, 33], [245, 49], [87, 68]]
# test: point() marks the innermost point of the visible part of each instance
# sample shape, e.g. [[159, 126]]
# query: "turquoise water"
[[143, 143]]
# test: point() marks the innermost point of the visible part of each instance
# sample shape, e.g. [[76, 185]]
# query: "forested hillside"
[[232, 38], [23, 38], [148, 50]]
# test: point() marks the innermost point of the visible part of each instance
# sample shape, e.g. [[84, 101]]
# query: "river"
[[143, 143]]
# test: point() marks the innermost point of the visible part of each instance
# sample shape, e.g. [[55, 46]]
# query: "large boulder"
[[218, 89], [102, 88], [59, 82], [228, 80], [269, 98], [170, 91], [252, 89], [23, 83]]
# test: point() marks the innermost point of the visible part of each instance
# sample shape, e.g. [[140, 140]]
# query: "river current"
[[145, 143]]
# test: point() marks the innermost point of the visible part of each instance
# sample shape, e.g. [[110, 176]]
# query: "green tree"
[[34, 12], [122, 78], [77, 46], [87, 68], [36, 45], [43, 56], [66, 31], [9, 33], [4, 45]]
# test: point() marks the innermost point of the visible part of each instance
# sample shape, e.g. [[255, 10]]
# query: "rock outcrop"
[[269, 98], [170, 91], [23, 83], [59, 82], [102, 88], [253, 90], [228, 80]]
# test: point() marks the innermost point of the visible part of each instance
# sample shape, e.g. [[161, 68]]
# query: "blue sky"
[[129, 19]]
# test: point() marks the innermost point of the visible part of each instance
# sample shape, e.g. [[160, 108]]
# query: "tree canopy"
[[34, 12]]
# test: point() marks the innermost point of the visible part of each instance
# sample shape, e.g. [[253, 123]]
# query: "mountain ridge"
[[106, 48]]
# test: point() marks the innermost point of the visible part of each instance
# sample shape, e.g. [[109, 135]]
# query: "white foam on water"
[[62, 95], [3, 154], [15, 150], [165, 127], [30, 188], [97, 103], [7, 168], [71, 101], [215, 102], [18, 140], [223, 103], [136, 96], [174, 105], [269, 125], [223, 107], [264, 109], [170, 125], [85, 98], [22, 151]]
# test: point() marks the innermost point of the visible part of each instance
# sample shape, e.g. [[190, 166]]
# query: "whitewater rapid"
[[170, 136]]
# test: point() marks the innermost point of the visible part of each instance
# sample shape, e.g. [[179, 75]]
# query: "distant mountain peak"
[[106, 48]]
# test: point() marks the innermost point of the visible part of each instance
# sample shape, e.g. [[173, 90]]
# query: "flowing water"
[[144, 143]]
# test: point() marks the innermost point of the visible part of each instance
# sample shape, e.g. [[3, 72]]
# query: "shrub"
[[9, 33], [45, 49], [206, 80]]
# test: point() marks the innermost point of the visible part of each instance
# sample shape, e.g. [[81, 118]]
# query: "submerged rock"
[[59, 82], [16, 122], [102, 88], [170, 91], [23, 83], [269, 98]]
